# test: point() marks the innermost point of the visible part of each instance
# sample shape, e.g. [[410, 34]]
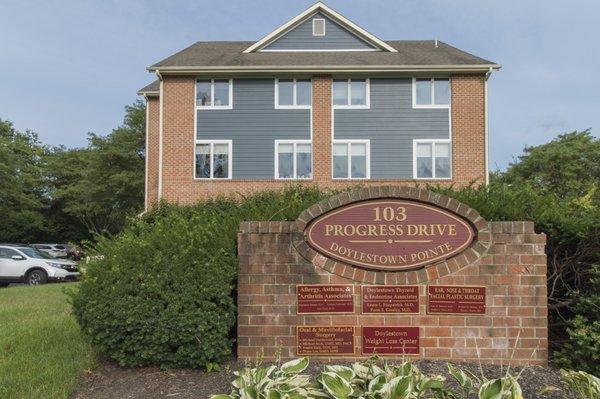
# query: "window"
[[351, 93], [213, 159], [293, 159], [214, 93], [6, 253], [432, 159], [431, 93], [318, 27], [293, 93], [351, 160]]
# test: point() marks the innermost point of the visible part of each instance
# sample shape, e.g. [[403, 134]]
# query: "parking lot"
[[36, 264]]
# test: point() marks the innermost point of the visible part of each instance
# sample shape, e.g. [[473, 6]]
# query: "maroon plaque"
[[442, 299], [389, 234], [324, 340], [390, 340], [323, 299], [390, 299]]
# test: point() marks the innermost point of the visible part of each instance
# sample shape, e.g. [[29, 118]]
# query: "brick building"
[[318, 100]]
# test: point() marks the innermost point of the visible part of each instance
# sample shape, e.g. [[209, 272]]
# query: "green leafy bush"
[[582, 350], [161, 292]]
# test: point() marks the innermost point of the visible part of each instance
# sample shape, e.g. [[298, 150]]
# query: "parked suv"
[[54, 250], [23, 264]]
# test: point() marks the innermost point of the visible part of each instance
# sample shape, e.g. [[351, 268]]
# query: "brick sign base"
[[506, 262]]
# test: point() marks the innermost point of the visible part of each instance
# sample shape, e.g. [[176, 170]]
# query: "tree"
[[568, 166], [104, 183], [23, 192]]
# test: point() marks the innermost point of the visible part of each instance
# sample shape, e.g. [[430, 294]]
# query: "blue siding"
[[391, 124], [336, 37], [253, 124]]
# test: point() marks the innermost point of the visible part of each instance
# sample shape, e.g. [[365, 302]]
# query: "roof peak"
[[330, 13]]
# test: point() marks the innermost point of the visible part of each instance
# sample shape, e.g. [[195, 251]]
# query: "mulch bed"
[[110, 381]]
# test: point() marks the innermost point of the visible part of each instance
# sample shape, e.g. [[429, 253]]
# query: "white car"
[[22, 264], [54, 250]]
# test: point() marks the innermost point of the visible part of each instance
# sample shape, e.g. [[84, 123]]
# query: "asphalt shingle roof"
[[217, 54], [410, 52], [153, 87]]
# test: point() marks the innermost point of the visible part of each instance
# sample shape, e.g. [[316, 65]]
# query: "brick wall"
[[508, 258], [514, 274], [468, 128], [178, 184], [178, 141], [321, 124], [153, 105]]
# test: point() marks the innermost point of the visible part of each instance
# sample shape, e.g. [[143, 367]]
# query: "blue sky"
[[69, 67]]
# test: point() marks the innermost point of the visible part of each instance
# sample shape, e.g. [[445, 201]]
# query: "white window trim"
[[348, 106], [430, 141], [229, 159], [313, 26], [432, 105], [294, 96], [368, 161], [212, 95], [295, 143]]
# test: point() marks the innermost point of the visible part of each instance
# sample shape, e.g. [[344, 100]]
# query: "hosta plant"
[[585, 385], [273, 382], [467, 381], [367, 380], [501, 388], [373, 380]]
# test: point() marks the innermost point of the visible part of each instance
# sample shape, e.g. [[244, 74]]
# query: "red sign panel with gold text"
[[390, 340], [325, 299], [443, 299], [390, 299], [389, 234], [324, 340]]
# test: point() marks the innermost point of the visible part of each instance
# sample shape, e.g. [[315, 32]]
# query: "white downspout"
[[146, 155], [160, 137], [487, 133]]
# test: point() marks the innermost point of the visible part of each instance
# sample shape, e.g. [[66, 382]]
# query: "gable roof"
[[330, 13], [334, 38], [408, 56]]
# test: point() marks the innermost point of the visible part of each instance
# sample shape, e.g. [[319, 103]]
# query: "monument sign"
[[392, 271]]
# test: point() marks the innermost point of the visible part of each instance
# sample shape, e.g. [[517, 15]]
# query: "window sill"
[[351, 107], [292, 107], [211, 108], [430, 106], [212, 178]]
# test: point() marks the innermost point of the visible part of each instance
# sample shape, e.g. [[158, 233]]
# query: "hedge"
[[162, 292]]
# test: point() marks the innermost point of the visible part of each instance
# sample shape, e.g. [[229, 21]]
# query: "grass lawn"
[[42, 351]]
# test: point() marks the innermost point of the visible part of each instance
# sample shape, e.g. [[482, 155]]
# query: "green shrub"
[[182, 261], [582, 350], [161, 293]]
